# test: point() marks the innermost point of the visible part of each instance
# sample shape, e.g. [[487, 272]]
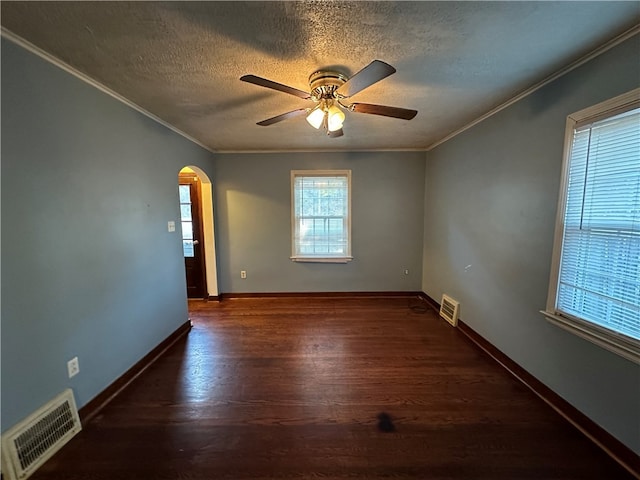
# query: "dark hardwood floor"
[[292, 388]]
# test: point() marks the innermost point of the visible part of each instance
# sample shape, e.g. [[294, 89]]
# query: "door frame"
[[197, 262], [205, 197]]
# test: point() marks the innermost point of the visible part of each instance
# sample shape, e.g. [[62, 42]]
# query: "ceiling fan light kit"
[[335, 118], [328, 89], [316, 117]]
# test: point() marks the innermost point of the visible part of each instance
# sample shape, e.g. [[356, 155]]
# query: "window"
[[595, 283], [186, 219], [321, 215]]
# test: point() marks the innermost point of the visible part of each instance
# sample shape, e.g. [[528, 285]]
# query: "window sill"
[[322, 259], [624, 346]]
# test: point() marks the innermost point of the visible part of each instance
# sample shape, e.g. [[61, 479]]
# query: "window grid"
[[321, 223], [186, 221]]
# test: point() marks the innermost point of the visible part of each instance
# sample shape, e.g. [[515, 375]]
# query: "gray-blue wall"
[[253, 223], [88, 267], [490, 203]]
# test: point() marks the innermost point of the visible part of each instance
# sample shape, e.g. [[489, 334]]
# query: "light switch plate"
[[73, 367], [171, 226]]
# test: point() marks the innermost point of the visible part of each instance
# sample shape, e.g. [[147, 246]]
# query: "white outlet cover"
[[171, 226]]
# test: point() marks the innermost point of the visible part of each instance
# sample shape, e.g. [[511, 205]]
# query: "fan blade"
[[395, 112], [372, 73], [263, 82], [337, 133], [284, 116]]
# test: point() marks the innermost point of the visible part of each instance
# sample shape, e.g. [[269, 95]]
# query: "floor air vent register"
[[449, 310], [30, 443]]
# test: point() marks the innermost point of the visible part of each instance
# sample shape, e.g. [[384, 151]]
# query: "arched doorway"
[[198, 239]]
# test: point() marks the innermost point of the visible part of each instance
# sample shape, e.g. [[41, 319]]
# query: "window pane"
[[185, 213], [187, 231], [187, 248], [185, 193]]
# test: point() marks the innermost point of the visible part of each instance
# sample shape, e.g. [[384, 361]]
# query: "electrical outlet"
[[73, 367], [243, 274], [406, 272]]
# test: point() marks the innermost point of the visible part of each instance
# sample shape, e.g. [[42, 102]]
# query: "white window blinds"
[[599, 277], [321, 223]]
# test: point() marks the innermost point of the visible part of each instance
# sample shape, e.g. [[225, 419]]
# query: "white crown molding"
[[323, 150], [554, 76], [5, 33], [9, 35]]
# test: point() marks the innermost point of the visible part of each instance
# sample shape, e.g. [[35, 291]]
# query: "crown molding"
[[12, 37], [547, 80]]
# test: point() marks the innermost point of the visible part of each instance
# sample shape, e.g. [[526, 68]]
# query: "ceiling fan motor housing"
[[324, 83]]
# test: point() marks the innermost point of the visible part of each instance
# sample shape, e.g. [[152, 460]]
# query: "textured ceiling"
[[182, 61]]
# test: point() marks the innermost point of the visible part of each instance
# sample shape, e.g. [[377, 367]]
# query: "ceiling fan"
[[329, 90]]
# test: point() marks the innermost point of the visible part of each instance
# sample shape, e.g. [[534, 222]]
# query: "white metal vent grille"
[[449, 310], [33, 441]]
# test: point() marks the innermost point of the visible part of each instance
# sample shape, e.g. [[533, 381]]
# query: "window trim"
[[325, 259], [623, 345]]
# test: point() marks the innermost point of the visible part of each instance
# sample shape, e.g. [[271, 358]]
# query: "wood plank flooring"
[[291, 388]]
